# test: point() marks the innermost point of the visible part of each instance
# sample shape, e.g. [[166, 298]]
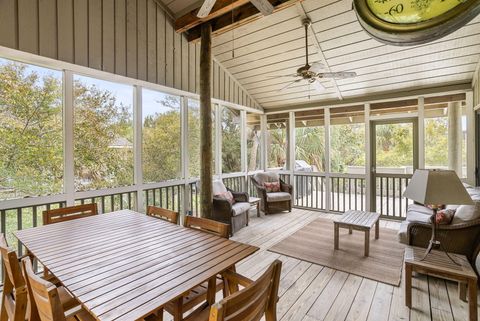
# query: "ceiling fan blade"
[[316, 67], [318, 85], [264, 6], [337, 75], [281, 76], [206, 8], [289, 84]]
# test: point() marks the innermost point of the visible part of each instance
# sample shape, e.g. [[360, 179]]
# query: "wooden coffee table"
[[360, 221], [437, 264]]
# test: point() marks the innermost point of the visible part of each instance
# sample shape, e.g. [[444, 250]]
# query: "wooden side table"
[[357, 220], [255, 201], [439, 265]]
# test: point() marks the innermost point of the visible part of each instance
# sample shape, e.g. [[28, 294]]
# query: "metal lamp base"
[[434, 243]]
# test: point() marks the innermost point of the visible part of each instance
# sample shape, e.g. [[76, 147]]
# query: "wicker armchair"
[[273, 202], [236, 215]]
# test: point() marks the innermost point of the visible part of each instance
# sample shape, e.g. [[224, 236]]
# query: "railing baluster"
[[19, 227]]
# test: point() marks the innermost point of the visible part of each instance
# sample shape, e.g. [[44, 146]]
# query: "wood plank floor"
[[312, 292]]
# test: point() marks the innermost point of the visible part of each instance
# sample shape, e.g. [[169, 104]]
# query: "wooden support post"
[[206, 196]]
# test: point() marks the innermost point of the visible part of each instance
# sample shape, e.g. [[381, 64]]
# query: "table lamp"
[[434, 187]]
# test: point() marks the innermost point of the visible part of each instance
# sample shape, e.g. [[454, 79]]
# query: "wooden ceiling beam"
[[221, 7], [244, 14]]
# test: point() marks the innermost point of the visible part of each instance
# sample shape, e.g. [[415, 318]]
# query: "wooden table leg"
[[408, 285], [350, 230], [258, 209], [377, 230], [212, 290], [462, 291], [367, 242], [177, 310], [472, 300]]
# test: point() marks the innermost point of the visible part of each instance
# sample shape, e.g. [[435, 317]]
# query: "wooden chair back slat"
[[206, 225], [162, 213], [254, 301], [69, 213], [14, 295], [44, 294]]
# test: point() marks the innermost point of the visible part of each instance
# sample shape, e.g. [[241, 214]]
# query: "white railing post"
[[243, 148], [218, 140], [421, 132], [137, 146], [328, 167], [68, 147], [291, 146], [263, 142], [368, 160], [470, 114], [185, 154]]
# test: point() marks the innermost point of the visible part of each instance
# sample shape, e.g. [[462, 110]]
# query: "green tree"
[[103, 139], [161, 142], [231, 149], [31, 160]]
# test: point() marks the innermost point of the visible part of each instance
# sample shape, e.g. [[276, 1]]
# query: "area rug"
[[314, 243]]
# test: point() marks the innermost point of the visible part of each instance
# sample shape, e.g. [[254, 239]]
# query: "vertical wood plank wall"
[[133, 38]]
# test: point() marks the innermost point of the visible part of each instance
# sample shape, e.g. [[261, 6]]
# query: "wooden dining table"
[[126, 265]]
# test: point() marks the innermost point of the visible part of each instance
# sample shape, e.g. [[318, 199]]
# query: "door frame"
[[414, 120]]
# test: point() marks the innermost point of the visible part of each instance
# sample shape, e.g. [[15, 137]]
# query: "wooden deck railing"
[[389, 200]]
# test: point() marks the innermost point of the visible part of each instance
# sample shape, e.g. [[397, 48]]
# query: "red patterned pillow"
[[272, 187], [444, 217], [228, 196]]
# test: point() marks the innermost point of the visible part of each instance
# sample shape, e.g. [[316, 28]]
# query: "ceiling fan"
[[264, 6], [311, 74]]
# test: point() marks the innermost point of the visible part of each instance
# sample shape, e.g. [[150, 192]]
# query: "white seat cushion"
[[419, 209], [418, 217], [240, 207], [278, 197]]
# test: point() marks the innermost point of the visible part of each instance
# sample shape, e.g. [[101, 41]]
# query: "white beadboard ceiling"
[[274, 45]]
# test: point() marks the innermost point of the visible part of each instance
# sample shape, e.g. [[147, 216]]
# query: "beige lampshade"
[[434, 187]]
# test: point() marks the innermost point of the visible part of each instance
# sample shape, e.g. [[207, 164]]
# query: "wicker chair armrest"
[[222, 209], [239, 196], [284, 187]]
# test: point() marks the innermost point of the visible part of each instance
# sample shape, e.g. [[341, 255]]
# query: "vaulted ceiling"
[[258, 52]]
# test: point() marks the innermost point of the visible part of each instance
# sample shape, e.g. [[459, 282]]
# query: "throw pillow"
[[272, 187], [228, 196], [444, 217]]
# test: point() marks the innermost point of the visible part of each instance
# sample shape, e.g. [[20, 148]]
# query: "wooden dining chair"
[[206, 225], [198, 294], [66, 214], [14, 294], [163, 214], [16, 299], [46, 299], [69, 213], [256, 300]]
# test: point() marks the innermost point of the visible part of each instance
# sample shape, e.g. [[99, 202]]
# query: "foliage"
[[231, 149], [31, 160], [277, 147], [161, 133], [101, 123]]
